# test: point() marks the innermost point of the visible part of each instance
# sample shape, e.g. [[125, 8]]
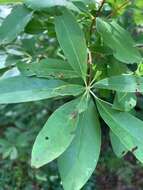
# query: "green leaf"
[[44, 4], [121, 83], [14, 23], [125, 126], [124, 101], [78, 162], [118, 148], [72, 41], [116, 67], [56, 135], [119, 40], [10, 1], [47, 68], [139, 71], [138, 16], [84, 102], [25, 89]]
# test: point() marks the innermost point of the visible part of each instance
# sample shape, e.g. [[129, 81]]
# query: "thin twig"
[[119, 8], [100, 8], [90, 34], [90, 66], [94, 17]]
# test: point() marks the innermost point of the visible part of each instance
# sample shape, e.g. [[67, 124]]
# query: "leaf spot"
[[46, 138], [74, 115]]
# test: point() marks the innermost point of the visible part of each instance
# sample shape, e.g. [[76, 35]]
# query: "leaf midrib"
[[76, 55]]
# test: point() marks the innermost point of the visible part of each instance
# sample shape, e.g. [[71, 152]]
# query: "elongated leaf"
[[44, 4], [72, 41], [10, 1], [56, 135], [78, 162], [24, 89], [48, 68], [85, 1], [118, 148], [14, 23], [124, 101], [126, 127], [119, 40], [122, 83]]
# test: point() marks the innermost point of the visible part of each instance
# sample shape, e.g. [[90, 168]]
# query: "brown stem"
[[100, 8], [119, 8], [90, 34], [94, 17], [90, 66]]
